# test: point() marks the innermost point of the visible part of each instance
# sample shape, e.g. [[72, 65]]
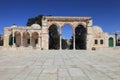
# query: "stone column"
[[13, 35], [88, 24], [73, 39], [7, 33], [21, 39], [6, 40], [60, 39], [30, 39], [45, 41], [39, 42]]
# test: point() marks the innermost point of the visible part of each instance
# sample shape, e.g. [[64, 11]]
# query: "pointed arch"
[[34, 39], [67, 36], [26, 39], [17, 38], [80, 37], [54, 37]]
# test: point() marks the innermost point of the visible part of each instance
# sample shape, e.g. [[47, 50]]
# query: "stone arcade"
[[36, 36]]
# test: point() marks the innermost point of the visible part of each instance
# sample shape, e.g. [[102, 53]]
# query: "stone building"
[[36, 36]]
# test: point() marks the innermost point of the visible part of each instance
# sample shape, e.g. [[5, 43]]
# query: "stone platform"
[[59, 65]]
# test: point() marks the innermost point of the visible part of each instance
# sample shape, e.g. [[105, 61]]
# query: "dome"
[[13, 26], [36, 26], [97, 29]]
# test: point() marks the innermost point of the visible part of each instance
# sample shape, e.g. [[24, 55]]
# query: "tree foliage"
[[37, 20]]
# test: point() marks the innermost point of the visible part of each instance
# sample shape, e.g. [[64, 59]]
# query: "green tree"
[[37, 20]]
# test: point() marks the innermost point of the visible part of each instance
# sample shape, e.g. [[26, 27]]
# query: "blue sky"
[[105, 13]]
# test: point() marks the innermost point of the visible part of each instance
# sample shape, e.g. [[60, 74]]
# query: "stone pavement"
[[59, 65]]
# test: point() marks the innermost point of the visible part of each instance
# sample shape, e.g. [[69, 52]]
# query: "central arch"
[[67, 37]]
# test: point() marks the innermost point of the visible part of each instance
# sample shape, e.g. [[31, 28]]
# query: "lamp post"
[[116, 38]]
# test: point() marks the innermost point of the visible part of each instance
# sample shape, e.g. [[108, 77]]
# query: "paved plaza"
[[59, 65]]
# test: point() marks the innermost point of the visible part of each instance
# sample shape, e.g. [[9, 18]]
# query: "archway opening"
[[34, 41], [80, 37], [26, 39], [1, 40], [17, 39], [111, 42], [67, 37], [54, 37]]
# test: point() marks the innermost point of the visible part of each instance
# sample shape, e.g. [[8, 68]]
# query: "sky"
[[105, 13]]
